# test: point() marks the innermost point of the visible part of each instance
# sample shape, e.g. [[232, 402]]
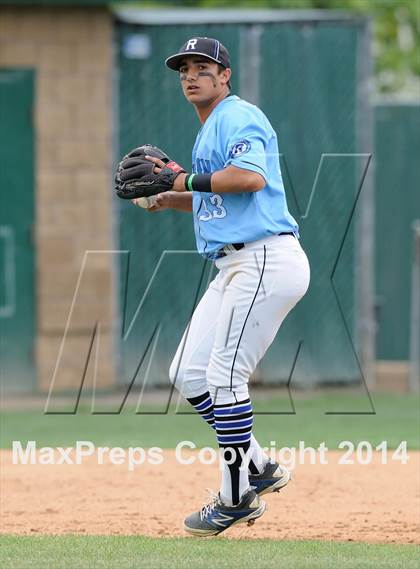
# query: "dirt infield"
[[373, 503]]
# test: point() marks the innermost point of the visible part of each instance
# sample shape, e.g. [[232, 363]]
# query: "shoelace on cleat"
[[208, 508]]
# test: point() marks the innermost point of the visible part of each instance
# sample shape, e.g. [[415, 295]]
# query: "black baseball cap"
[[208, 47]]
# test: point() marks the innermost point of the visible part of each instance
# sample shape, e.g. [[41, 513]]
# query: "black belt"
[[238, 246]]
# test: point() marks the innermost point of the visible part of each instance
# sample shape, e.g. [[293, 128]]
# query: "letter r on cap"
[[191, 44]]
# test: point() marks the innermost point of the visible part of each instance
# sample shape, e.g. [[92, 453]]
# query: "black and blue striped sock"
[[234, 426], [204, 407]]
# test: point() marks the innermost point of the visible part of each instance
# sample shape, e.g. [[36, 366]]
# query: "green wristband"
[[189, 182]]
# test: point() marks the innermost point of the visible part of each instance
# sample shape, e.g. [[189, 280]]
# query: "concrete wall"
[[72, 54]]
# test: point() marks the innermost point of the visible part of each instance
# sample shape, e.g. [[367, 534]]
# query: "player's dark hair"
[[221, 68]]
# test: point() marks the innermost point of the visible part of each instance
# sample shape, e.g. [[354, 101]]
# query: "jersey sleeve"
[[245, 138]]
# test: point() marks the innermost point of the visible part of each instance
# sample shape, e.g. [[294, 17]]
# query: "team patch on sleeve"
[[239, 148]]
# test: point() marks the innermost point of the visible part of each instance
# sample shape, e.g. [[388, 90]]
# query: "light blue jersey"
[[239, 134]]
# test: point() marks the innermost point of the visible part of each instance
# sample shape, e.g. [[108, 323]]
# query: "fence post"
[[249, 63], [365, 318], [414, 380]]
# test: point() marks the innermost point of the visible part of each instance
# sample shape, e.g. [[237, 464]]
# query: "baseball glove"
[[135, 177]]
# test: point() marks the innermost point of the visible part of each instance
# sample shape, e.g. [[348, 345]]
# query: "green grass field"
[[396, 419], [97, 552]]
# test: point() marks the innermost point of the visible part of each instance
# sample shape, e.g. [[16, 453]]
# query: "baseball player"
[[236, 194]]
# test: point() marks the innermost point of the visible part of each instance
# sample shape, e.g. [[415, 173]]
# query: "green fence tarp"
[[397, 205]]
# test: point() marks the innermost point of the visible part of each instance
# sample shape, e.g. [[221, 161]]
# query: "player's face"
[[201, 80]]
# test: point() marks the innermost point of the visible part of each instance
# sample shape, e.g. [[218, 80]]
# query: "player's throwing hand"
[[155, 203]]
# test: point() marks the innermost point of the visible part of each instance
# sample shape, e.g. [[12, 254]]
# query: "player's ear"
[[226, 75]]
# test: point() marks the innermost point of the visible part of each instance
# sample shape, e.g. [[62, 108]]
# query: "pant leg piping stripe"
[[246, 319]]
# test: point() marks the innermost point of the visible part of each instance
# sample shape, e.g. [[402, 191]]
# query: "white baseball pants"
[[238, 317]]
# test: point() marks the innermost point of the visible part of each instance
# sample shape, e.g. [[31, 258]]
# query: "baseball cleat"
[[216, 517], [273, 478]]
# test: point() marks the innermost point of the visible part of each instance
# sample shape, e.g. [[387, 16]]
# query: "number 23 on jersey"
[[212, 210]]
